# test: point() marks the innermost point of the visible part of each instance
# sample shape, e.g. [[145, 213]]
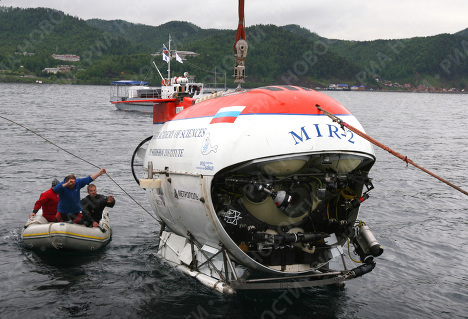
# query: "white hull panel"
[[144, 108]]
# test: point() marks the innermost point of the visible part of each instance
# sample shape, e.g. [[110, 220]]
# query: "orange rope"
[[375, 142]]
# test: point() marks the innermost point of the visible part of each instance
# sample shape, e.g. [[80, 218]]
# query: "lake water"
[[421, 222]]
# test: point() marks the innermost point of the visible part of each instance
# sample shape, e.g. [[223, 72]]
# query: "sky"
[[344, 20]]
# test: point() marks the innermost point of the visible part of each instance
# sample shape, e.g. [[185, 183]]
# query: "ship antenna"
[[240, 49], [169, 62]]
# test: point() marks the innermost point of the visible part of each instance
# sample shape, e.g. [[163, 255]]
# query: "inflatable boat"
[[39, 234]]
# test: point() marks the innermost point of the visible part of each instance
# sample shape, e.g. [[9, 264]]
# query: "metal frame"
[[299, 281]]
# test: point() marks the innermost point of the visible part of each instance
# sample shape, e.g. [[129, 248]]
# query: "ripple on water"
[[420, 221]]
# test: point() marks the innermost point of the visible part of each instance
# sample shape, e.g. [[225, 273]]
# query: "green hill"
[[45, 30], [440, 60], [147, 39], [274, 56], [277, 55], [29, 37], [463, 33]]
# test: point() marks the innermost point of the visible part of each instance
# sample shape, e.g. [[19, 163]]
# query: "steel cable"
[[84, 160]]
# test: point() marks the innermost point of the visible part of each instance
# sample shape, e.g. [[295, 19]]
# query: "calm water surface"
[[421, 222]]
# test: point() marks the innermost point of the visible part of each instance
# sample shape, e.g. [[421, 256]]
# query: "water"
[[421, 222]]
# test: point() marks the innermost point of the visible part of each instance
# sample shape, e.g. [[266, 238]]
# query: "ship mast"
[[240, 49], [169, 62]]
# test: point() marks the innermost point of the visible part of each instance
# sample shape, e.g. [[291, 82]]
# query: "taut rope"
[[377, 143], [84, 160]]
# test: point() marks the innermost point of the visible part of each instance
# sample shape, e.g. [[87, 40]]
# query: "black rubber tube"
[[133, 157]]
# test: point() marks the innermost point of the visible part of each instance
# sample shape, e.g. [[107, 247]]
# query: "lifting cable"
[[377, 143], [84, 160]]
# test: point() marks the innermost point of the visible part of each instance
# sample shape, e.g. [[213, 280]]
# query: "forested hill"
[[290, 54], [443, 57], [45, 30], [463, 33], [149, 39]]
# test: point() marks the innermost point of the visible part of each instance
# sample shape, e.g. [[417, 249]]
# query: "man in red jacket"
[[48, 201]]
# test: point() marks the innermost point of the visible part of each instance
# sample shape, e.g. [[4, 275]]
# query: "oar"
[[377, 143]]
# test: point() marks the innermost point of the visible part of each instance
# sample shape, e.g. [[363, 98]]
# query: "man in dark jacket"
[[93, 205]]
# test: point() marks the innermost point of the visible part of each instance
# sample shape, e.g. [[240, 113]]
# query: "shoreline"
[[34, 81]]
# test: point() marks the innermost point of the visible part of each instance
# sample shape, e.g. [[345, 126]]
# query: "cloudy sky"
[[338, 19]]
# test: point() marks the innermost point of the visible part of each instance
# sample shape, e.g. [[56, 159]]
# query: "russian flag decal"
[[227, 114]]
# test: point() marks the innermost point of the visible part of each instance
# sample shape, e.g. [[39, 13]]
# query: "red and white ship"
[[128, 95]]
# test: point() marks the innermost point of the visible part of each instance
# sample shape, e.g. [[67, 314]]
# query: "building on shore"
[[66, 57]]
